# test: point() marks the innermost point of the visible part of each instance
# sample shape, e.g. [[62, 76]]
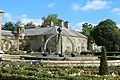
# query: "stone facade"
[[70, 41], [80, 44]]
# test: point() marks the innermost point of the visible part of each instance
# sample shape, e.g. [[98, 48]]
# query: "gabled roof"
[[46, 31], [6, 33], [52, 30]]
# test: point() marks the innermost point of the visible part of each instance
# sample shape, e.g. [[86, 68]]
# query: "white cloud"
[[51, 5], [116, 10], [24, 16], [35, 21], [118, 25], [78, 26], [8, 17], [95, 5], [91, 5], [76, 7]]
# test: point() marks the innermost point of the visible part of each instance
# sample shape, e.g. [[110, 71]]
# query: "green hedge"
[[22, 77], [99, 53], [27, 71]]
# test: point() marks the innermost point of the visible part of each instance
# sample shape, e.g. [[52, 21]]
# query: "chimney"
[[1, 13], [51, 23], [61, 23], [22, 31], [67, 25]]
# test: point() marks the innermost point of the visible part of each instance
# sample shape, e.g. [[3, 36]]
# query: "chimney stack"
[[61, 23], [51, 23], [67, 25]]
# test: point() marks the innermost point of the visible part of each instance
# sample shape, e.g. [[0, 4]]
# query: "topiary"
[[103, 68]]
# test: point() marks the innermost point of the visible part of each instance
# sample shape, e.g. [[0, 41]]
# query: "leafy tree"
[[103, 69], [9, 26], [106, 34], [47, 20], [116, 48], [29, 25], [87, 30]]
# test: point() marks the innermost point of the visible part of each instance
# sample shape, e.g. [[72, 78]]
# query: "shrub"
[[86, 53], [116, 48], [61, 55], [44, 54], [103, 69], [73, 55]]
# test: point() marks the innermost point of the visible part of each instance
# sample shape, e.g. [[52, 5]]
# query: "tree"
[[103, 68], [106, 34], [9, 26], [87, 30], [29, 25], [47, 20]]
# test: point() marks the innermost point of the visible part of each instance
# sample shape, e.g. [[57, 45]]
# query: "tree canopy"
[[52, 17], [29, 25], [9, 26], [87, 30], [107, 34], [12, 26]]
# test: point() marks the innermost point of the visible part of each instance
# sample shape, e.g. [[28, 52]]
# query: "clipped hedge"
[[16, 77], [99, 53], [28, 71]]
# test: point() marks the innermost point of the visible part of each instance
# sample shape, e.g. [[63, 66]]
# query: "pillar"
[[1, 14]]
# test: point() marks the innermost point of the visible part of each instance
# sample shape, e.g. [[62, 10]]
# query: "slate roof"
[[52, 30], [6, 33], [46, 31]]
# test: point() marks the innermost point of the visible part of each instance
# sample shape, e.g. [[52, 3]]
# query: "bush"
[[44, 54], [73, 55], [61, 55], [86, 53], [116, 48], [103, 69], [16, 77]]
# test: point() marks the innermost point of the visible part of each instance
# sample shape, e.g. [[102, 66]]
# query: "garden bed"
[[36, 71]]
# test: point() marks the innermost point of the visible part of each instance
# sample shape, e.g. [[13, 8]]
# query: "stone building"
[[68, 41]]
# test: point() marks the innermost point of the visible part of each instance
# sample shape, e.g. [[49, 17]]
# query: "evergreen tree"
[[103, 69]]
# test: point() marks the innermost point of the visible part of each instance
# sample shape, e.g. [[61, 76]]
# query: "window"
[[79, 40], [83, 47], [78, 49], [68, 49]]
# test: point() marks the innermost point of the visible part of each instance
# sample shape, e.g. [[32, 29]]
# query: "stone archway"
[[6, 44]]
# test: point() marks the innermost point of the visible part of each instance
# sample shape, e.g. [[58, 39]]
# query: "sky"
[[76, 12]]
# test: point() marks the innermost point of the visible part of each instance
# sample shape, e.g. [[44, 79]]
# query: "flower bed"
[[30, 71]]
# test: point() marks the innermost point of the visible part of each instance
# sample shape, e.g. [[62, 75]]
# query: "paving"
[[81, 62]]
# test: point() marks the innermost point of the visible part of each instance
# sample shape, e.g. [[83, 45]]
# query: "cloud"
[[118, 25], [95, 5], [91, 5], [76, 7], [116, 10], [8, 17], [51, 5], [24, 16], [78, 26], [35, 21]]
